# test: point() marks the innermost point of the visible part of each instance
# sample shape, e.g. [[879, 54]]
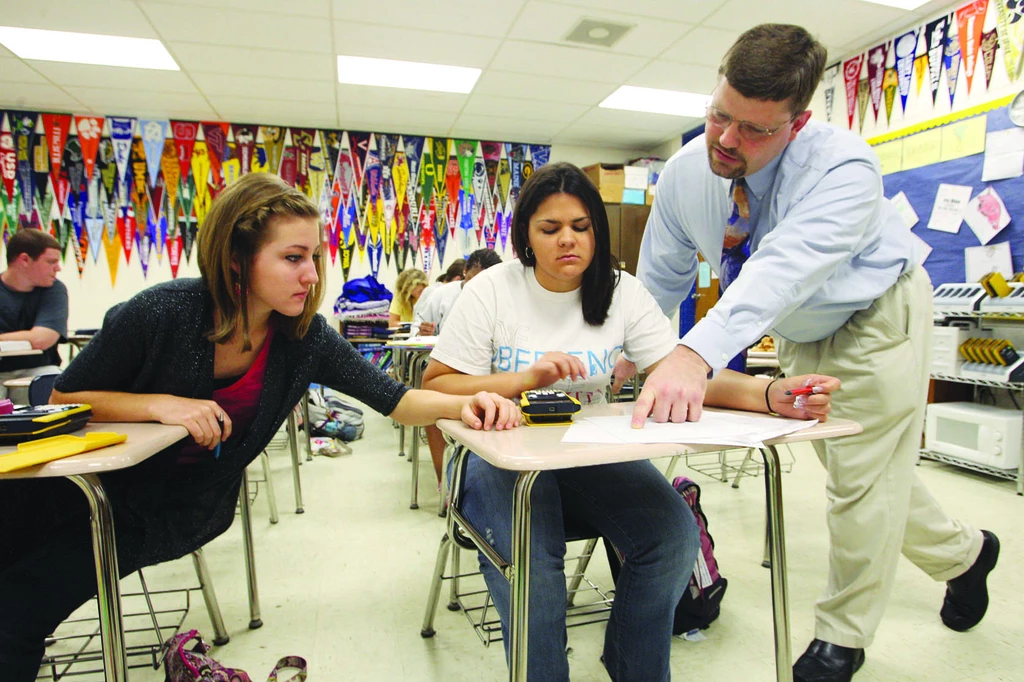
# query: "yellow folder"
[[56, 447]]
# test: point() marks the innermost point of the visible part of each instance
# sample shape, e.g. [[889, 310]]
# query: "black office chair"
[[40, 389]]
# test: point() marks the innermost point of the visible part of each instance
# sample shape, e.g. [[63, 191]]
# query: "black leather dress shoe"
[[967, 595], [824, 662]]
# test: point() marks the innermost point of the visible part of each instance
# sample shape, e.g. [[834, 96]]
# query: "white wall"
[[92, 294]]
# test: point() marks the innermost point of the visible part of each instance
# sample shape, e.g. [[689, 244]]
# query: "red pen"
[[806, 390]]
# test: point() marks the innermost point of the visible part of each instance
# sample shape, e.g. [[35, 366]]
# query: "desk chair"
[[40, 388], [476, 603]]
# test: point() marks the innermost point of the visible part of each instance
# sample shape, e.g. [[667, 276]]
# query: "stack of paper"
[[11, 346], [714, 428]]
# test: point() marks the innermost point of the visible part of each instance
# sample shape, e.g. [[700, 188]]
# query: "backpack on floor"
[[330, 417], [699, 605], [701, 602]]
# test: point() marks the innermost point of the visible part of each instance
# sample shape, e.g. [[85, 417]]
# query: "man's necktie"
[[736, 246], [735, 251]]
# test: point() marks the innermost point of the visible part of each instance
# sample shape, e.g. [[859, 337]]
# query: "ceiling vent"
[[598, 32]]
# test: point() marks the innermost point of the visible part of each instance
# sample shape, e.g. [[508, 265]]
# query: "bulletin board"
[[946, 261]]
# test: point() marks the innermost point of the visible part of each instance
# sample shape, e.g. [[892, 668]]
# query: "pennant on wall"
[[122, 132], [921, 60], [951, 60], [112, 247], [936, 34], [8, 158], [989, 44], [904, 47], [876, 74], [863, 95], [153, 133], [890, 84], [273, 144], [90, 129], [245, 145], [851, 74], [829, 80], [216, 136], [184, 141], [970, 20], [1010, 26], [56, 127]]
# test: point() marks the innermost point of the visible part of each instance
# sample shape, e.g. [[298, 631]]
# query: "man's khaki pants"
[[877, 507]]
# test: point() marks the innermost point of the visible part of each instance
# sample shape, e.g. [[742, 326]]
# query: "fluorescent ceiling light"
[[87, 48], [898, 4], [652, 101], [390, 73]]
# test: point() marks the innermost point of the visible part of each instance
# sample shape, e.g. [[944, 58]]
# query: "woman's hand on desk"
[[815, 405], [487, 411], [206, 421]]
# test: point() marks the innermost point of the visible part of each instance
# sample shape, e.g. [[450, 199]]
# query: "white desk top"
[[144, 441], [16, 353], [413, 342], [539, 448]]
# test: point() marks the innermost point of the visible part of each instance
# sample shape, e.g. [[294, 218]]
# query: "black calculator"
[[548, 406]]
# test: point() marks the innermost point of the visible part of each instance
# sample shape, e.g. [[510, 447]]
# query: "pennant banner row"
[[956, 44], [143, 186]]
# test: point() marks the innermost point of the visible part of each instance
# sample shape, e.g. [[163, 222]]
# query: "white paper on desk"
[[714, 428], [1004, 155], [986, 215], [948, 211], [906, 211], [981, 260]]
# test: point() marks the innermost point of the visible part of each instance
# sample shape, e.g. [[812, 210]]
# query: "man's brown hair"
[[777, 63], [31, 241]]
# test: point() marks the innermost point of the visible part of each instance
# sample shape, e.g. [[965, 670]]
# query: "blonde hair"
[[406, 283], [235, 229]]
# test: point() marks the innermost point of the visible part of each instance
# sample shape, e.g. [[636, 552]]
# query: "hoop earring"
[[529, 253]]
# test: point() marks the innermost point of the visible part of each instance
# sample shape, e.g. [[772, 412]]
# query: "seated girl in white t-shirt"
[[559, 317]]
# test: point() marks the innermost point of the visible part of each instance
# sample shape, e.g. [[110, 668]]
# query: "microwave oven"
[[977, 433]]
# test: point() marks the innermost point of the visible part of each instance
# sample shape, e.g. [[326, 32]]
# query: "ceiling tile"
[[275, 112], [833, 22], [246, 61], [672, 76], [488, 105], [91, 76], [471, 17], [36, 96], [501, 128], [541, 88], [567, 62], [109, 101], [690, 11], [632, 120], [4, 52], [110, 17], [550, 22], [218, 85], [302, 8], [704, 46], [388, 42], [242, 29], [380, 119], [412, 100], [13, 70], [608, 137]]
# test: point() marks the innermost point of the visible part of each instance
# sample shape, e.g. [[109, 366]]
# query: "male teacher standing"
[[791, 215]]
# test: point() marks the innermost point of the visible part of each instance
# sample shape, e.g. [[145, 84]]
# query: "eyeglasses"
[[748, 131]]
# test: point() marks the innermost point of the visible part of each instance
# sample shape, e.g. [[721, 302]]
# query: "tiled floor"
[[345, 584]]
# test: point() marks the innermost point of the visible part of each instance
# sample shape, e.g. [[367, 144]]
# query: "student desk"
[[530, 450], [144, 441], [409, 355]]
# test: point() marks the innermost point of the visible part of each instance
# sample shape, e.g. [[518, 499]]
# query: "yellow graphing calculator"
[[548, 406]]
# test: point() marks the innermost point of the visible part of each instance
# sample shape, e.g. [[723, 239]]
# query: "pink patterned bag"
[[195, 665]]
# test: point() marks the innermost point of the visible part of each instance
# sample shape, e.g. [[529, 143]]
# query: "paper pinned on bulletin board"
[[948, 211], [986, 215], [890, 156], [981, 260], [1004, 155], [906, 211], [964, 138], [922, 249]]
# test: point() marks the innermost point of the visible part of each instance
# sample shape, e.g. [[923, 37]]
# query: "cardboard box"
[[634, 196], [610, 180], [635, 177], [650, 194]]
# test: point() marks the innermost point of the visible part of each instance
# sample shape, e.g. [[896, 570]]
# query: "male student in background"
[[33, 304], [791, 214], [427, 318]]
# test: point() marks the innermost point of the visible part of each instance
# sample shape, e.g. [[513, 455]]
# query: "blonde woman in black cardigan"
[[226, 356]]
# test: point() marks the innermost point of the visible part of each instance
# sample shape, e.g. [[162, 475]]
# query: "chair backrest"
[[40, 389]]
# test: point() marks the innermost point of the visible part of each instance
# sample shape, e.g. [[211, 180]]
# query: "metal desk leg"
[[780, 595], [306, 428], [293, 442], [250, 559], [414, 458], [108, 591], [220, 633], [520, 577]]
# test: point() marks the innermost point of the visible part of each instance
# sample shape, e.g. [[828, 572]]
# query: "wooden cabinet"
[[626, 223]]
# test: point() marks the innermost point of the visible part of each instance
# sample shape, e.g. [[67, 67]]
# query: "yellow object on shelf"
[[56, 447]]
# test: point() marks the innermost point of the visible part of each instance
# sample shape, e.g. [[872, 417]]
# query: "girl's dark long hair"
[[602, 275]]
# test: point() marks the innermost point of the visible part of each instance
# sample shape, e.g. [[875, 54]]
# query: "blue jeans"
[[638, 511]]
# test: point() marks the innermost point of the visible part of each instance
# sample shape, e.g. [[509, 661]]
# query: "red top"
[[240, 401]]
